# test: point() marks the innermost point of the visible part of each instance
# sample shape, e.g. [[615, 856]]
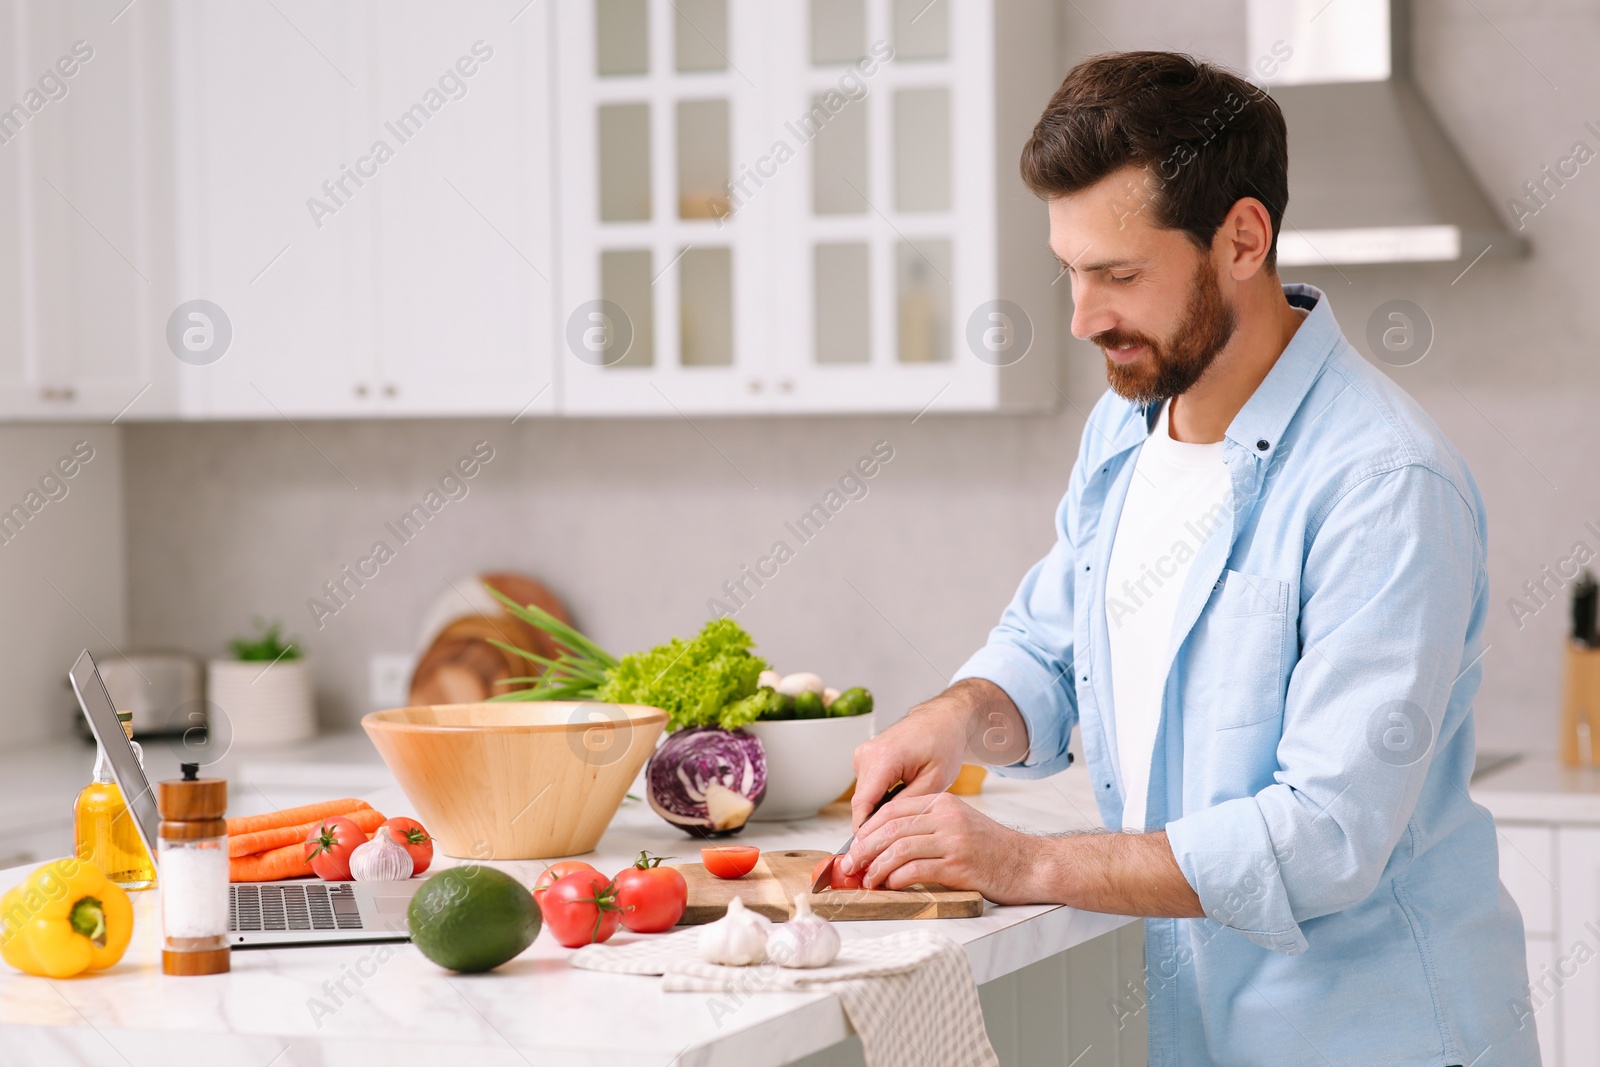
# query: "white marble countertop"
[[1540, 788], [534, 1010]]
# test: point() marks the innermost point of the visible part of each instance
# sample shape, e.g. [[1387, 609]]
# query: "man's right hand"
[[925, 749]]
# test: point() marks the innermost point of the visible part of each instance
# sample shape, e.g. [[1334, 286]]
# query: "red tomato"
[[329, 845], [730, 861], [557, 870], [581, 908], [836, 879], [652, 897], [409, 833]]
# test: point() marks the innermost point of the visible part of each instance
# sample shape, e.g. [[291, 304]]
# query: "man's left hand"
[[942, 839]]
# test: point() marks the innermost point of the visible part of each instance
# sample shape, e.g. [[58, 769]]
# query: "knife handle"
[[893, 792]]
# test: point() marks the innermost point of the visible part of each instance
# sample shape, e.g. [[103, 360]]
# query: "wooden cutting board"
[[771, 887]]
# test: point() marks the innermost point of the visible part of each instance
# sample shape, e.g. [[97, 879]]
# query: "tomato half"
[[410, 835], [730, 861], [836, 879], [329, 845], [581, 908], [558, 870], [652, 897]]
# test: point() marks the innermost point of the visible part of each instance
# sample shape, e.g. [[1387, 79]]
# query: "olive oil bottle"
[[103, 828]]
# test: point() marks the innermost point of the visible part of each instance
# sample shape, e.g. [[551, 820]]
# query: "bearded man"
[[1263, 611]]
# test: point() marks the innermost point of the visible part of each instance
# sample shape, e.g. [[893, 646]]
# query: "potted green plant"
[[264, 690]]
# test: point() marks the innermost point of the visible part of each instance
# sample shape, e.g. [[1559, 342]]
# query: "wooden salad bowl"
[[515, 781]]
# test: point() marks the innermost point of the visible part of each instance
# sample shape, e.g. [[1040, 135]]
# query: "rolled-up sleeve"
[[1393, 597], [1029, 654]]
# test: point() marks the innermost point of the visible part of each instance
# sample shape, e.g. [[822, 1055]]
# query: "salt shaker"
[[192, 857]]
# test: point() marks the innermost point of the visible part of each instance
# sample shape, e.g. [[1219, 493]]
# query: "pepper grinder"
[[192, 857]]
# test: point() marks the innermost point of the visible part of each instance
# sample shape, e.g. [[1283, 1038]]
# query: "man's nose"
[[1090, 316]]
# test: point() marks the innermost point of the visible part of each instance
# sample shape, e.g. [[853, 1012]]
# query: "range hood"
[[1372, 176]]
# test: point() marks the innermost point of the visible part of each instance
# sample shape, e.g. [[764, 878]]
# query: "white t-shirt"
[[1177, 499]]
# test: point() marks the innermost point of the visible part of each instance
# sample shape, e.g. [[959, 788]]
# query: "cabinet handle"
[[786, 385], [361, 390], [64, 393], [390, 390], [755, 385]]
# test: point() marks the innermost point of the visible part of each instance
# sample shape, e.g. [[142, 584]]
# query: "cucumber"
[[808, 705], [857, 701]]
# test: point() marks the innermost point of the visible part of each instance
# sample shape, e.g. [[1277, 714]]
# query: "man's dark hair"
[[1205, 137]]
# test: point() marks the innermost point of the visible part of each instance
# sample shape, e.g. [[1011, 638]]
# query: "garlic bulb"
[[383, 859], [806, 940], [794, 684], [738, 939]]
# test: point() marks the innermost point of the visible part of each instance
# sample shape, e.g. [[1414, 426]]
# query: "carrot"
[[272, 820], [286, 862], [368, 819]]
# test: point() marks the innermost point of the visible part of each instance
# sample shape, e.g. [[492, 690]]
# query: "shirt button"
[[1262, 445]]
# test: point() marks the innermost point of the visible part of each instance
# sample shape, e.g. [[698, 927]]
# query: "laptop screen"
[[102, 716]]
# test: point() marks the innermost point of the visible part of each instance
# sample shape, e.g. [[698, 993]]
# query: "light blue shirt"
[[1316, 735]]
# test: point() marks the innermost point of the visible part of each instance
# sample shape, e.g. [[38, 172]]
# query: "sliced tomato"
[[558, 870], [836, 879], [409, 833], [730, 861]]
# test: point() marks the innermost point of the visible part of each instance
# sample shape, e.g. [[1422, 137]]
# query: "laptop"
[[297, 911]]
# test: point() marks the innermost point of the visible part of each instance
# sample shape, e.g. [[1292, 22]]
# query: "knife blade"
[[822, 879]]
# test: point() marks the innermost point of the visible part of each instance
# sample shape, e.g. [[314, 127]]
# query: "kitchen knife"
[[827, 868]]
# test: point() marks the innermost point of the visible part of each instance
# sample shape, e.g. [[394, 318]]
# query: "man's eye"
[[1123, 277]]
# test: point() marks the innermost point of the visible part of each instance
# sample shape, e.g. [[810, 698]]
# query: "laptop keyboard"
[[309, 906]]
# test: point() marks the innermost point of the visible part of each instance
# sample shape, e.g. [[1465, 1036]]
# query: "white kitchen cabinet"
[[1576, 969], [270, 105], [373, 219], [464, 242], [1548, 818], [1527, 870], [86, 233], [802, 207], [1542, 957]]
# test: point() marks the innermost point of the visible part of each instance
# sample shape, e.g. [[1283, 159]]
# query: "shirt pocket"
[[1236, 661]]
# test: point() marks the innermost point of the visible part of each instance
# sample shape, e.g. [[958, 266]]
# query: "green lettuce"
[[698, 682]]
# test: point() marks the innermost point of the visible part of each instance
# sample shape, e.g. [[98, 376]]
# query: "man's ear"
[[1245, 238]]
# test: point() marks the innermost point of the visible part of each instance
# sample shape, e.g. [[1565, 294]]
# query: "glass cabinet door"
[[664, 265], [780, 206], [889, 107]]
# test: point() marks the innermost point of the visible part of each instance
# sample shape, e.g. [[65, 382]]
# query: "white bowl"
[[809, 763]]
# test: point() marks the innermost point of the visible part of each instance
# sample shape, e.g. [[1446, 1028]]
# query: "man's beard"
[[1170, 369]]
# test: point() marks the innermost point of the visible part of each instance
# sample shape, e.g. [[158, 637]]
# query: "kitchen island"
[[386, 1004]]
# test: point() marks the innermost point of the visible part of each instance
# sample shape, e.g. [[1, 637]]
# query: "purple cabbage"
[[692, 762]]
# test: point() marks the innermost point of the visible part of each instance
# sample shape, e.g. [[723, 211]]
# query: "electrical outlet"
[[389, 680]]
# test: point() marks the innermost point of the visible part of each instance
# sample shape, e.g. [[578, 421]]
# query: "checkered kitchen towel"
[[910, 996]]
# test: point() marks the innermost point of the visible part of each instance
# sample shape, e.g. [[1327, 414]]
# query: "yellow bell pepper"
[[63, 919]]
